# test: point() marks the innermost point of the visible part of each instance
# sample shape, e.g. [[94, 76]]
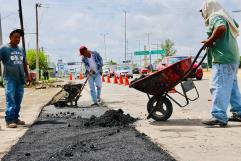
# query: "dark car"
[[136, 71], [167, 61]]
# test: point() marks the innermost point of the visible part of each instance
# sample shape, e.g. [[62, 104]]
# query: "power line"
[[10, 14]]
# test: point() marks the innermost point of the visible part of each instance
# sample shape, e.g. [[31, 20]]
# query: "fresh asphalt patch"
[[88, 134]]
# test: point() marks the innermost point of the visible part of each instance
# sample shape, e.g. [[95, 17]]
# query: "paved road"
[[32, 104], [182, 135]]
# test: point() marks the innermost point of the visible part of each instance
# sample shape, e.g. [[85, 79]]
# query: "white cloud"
[[65, 25]]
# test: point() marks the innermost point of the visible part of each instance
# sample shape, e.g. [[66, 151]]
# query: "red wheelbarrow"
[[158, 85]]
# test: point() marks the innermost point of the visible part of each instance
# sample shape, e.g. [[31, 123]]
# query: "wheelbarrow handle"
[[86, 80], [191, 69]]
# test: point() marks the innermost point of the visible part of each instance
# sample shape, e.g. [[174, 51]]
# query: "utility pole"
[[21, 23], [125, 35], [1, 42], [37, 43], [157, 48]]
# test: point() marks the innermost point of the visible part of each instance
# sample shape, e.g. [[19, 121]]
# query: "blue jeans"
[[95, 82], [224, 90], [14, 95]]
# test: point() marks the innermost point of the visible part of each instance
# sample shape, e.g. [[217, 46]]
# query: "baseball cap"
[[82, 49], [20, 31]]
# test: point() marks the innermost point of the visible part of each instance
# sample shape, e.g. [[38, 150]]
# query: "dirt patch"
[[107, 137]]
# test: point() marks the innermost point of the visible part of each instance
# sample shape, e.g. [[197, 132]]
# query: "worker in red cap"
[[93, 64]]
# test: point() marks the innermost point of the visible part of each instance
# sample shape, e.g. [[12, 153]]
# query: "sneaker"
[[19, 122], [11, 125], [235, 118], [95, 105], [213, 122]]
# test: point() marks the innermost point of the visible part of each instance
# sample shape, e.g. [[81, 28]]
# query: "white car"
[[106, 70], [124, 70]]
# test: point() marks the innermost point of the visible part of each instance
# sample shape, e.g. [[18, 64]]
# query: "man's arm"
[[25, 66], [217, 34], [101, 60]]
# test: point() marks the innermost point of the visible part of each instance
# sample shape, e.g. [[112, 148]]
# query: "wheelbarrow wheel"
[[159, 108]]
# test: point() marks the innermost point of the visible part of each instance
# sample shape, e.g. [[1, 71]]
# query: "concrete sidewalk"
[[33, 102]]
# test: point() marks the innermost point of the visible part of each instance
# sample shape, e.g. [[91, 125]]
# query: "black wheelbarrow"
[[68, 95], [158, 85]]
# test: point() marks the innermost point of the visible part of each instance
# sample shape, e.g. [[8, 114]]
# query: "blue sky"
[[67, 24]]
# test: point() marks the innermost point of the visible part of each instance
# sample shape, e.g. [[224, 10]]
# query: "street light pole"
[[149, 48], [140, 50], [104, 36], [125, 35], [37, 43]]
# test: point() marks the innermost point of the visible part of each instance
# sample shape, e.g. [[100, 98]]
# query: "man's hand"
[[92, 72], [208, 43], [28, 80]]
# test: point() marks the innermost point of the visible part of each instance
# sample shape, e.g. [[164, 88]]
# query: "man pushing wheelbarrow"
[[223, 48]]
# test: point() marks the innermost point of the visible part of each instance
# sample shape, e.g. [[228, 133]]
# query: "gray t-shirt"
[[13, 60]]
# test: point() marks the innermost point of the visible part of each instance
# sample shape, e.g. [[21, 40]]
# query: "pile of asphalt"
[[111, 118], [65, 137]]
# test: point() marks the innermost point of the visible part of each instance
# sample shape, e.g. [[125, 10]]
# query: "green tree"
[[168, 45], [31, 57]]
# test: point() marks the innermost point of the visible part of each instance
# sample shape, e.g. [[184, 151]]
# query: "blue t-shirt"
[[13, 60]]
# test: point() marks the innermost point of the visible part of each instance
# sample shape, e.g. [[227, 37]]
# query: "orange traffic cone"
[[80, 76], [126, 80], [115, 79], [121, 80], [103, 78], [108, 79], [70, 76]]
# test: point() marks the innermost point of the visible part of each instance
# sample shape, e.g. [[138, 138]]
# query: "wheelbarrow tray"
[[164, 80], [68, 94]]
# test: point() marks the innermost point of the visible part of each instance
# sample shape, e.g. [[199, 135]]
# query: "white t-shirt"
[[92, 63]]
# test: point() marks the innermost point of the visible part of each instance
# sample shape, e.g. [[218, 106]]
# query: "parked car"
[[112, 71], [167, 61], [124, 70], [144, 70], [105, 71], [136, 71]]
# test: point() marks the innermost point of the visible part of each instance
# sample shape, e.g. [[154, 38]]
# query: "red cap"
[[82, 49]]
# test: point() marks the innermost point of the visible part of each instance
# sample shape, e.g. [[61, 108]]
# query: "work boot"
[[213, 122], [235, 118], [11, 125], [94, 105], [99, 100], [19, 122]]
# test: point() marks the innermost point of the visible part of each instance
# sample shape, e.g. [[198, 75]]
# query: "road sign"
[[152, 52], [158, 51], [141, 53]]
